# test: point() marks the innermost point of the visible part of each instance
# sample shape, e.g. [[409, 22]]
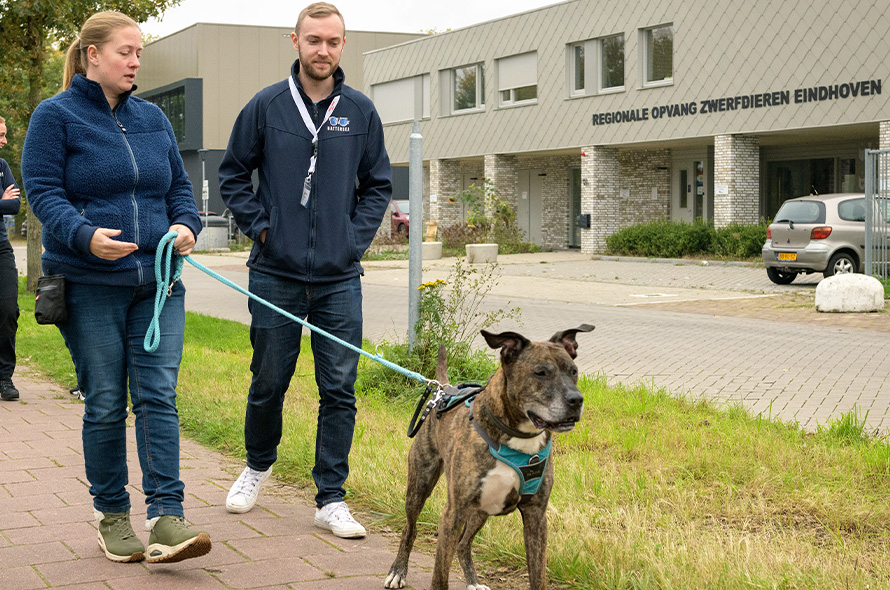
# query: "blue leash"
[[163, 258]]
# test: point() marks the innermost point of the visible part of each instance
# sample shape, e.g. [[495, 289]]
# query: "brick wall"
[[737, 166], [599, 196], [445, 176], [644, 186], [501, 171], [884, 135]]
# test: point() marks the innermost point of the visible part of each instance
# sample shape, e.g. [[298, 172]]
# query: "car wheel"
[[780, 277], [840, 264], [402, 229]]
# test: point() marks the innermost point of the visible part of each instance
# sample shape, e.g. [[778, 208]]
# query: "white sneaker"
[[335, 517], [245, 490]]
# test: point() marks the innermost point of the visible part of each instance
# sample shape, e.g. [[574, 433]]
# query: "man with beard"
[[324, 186]]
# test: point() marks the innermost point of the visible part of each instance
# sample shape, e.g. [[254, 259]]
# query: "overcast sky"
[[407, 16]]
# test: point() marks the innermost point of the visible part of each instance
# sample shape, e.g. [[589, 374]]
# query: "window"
[[659, 54], [402, 100], [468, 89], [852, 210], [182, 104], [518, 79], [612, 62], [173, 104], [578, 68], [596, 65]]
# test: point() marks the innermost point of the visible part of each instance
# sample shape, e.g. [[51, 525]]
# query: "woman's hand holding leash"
[[185, 239]]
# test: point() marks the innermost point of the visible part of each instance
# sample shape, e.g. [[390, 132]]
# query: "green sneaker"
[[171, 540], [117, 539]]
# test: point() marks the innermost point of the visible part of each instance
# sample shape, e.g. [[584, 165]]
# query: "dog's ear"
[[567, 338], [510, 343]]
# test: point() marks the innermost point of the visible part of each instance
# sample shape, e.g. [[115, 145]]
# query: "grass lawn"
[[651, 491]]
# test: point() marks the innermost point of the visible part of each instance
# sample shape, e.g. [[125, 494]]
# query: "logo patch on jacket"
[[338, 124]]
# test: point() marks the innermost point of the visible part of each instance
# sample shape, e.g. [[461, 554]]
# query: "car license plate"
[[787, 256]]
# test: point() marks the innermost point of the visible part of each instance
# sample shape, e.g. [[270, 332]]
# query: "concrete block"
[[431, 250], [481, 253], [849, 293]]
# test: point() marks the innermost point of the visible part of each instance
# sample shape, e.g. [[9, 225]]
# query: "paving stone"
[[36, 554], [268, 572], [18, 520], [9, 504], [164, 577], [42, 534], [19, 578], [90, 569], [355, 564], [263, 548]]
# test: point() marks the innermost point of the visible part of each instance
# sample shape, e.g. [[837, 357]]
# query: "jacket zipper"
[[312, 227], [132, 192]]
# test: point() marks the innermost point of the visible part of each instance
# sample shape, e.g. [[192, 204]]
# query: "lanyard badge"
[[307, 120]]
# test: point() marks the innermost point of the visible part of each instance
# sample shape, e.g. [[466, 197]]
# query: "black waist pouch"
[[49, 305]]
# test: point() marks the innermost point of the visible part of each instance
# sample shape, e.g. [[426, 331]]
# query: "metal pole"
[[205, 192], [415, 228], [870, 177]]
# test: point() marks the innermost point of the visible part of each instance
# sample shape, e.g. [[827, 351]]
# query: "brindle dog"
[[533, 394]]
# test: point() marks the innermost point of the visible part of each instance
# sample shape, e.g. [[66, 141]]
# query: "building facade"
[[592, 116], [202, 77]]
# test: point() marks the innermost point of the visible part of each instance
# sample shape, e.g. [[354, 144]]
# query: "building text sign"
[[738, 103]]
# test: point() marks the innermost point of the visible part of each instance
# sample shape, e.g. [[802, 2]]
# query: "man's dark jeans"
[[335, 308]]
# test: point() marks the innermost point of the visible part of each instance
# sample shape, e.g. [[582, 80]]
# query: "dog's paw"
[[477, 587], [395, 580]]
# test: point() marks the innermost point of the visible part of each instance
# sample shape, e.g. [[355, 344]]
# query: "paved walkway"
[[48, 536]]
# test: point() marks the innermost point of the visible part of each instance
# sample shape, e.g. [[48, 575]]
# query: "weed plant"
[[451, 314], [651, 491]]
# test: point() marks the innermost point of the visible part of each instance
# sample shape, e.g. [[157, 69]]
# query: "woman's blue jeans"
[[104, 332], [335, 308]]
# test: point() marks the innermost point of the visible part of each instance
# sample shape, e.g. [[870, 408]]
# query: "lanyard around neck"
[[307, 120]]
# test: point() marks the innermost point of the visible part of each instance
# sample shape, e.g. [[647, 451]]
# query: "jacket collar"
[[92, 90], [339, 78]]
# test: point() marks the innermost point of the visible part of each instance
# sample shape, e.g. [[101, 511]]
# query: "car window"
[[403, 206], [852, 210], [801, 212]]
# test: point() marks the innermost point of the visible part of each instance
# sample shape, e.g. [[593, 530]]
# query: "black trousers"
[[9, 309]]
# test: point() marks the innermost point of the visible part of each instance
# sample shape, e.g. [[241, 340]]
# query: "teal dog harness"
[[529, 468]]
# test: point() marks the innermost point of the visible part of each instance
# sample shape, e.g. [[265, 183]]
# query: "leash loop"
[[163, 258]]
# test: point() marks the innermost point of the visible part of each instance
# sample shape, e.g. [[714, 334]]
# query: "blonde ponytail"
[[73, 64]]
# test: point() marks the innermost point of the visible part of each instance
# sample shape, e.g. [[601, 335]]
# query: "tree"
[[30, 31]]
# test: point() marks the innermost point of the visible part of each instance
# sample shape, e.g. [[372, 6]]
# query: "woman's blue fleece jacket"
[[85, 166], [351, 188]]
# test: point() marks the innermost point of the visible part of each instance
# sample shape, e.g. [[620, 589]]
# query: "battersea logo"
[[338, 124]]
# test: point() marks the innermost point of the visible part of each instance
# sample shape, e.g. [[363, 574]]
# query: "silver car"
[[824, 233]]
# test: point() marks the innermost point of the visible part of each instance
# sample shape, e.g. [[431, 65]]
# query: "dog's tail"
[[442, 366]]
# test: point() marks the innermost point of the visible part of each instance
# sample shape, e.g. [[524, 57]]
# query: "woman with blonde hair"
[[103, 174]]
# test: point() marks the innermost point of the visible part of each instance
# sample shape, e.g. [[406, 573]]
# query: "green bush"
[[663, 238], [676, 239], [740, 241]]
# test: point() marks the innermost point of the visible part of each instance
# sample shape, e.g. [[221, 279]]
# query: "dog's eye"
[[541, 372]]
